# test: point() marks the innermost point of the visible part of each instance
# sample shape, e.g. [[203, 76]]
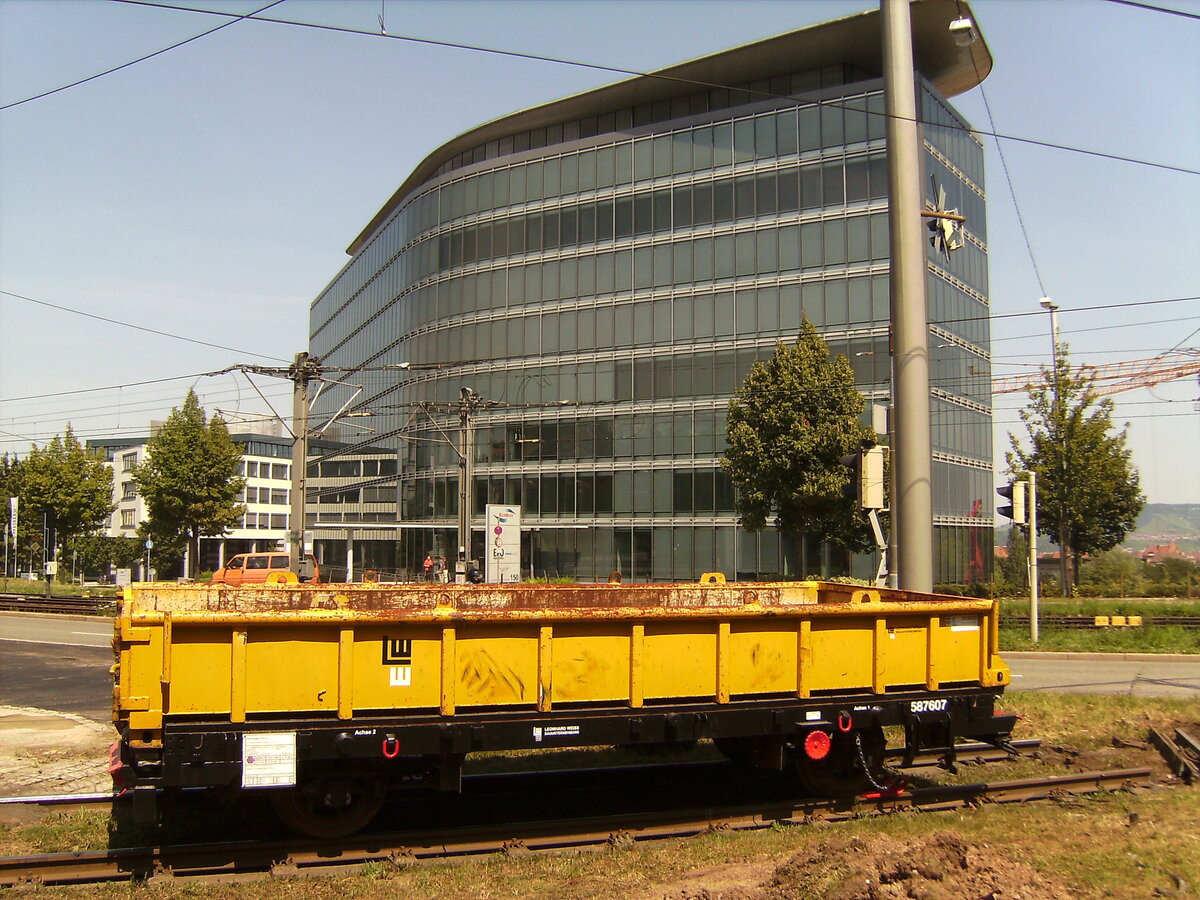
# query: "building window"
[[278, 471], [128, 461], [129, 490], [128, 519]]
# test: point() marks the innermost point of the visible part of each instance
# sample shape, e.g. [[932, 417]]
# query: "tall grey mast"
[[912, 501]]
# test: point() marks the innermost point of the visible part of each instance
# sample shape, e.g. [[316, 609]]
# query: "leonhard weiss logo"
[[397, 656]]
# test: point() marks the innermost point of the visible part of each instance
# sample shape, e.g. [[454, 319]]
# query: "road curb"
[[1127, 657]]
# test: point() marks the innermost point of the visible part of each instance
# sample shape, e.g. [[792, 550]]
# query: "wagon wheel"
[[841, 772], [329, 809]]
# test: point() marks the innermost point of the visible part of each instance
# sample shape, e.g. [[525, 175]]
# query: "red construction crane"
[[1113, 378]]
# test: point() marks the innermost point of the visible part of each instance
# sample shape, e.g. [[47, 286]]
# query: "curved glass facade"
[[604, 287]]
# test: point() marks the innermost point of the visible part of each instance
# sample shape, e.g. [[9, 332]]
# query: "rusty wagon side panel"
[[213, 653]]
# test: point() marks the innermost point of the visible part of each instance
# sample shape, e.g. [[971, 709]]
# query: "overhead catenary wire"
[[154, 331], [133, 62], [550, 59], [508, 359], [600, 67], [1012, 190], [1150, 7]]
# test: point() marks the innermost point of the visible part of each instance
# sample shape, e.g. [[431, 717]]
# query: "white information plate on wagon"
[[269, 759]]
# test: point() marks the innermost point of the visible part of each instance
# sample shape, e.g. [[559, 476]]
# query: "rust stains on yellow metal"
[[414, 603], [239, 652]]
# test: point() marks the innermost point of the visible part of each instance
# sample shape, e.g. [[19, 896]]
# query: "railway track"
[[79, 606], [1064, 621], [250, 859]]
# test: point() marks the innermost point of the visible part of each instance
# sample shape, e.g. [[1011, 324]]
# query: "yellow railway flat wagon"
[[328, 695]]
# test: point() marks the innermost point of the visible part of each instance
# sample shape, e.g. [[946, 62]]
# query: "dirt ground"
[[937, 866], [44, 752]]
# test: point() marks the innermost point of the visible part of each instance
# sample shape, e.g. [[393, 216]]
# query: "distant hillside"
[[1159, 523], [1167, 520]]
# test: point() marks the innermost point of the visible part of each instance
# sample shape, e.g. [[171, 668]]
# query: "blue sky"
[[211, 191]]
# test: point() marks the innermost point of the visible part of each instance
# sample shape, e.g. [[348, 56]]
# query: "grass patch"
[[1114, 844], [1142, 639], [60, 832], [1087, 721], [57, 589]]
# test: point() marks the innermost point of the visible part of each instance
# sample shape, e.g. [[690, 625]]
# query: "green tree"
[[8, 488], [66, 477], [1014, 565], [792, 421], [97, 552], [1088, 490], [189, 480], [1117, 572]]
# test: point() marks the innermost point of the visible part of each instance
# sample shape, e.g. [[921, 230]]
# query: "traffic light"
[[866, 481], [1015, 493]]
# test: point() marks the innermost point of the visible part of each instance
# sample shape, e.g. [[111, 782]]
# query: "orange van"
[[257, 568]]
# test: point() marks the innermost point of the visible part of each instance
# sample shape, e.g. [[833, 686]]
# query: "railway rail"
[[1065, 621], [108, 605], [244, 860], [79, 606]]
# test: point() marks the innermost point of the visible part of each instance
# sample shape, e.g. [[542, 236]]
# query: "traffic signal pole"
[[1021, 493], [1031, 514]]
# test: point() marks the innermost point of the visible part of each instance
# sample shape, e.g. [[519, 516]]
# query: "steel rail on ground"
[[81, 606], [243, 860], [1082, 621]]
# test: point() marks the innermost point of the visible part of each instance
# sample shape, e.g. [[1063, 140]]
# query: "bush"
[[1166, 589]]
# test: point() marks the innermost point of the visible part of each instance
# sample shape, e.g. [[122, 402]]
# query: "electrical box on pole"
[[866, 485]]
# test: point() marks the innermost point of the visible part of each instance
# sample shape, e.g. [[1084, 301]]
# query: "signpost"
[[503, 544]]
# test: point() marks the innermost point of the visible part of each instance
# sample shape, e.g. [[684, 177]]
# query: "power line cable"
[[637, 73], [92, 390], [133, 62], [155, 331], [1158, 9], [1012, 191], [148, 404], [141, 59]]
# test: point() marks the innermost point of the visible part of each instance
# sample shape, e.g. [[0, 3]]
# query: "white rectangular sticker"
[[269, 759], [963, 623], [551, 731]]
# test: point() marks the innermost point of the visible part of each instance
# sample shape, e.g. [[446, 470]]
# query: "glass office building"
[[602, 270]]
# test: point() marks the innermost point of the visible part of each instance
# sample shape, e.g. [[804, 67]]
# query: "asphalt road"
[[57, 662], [67, 631], [62, 662], [1137, 675]]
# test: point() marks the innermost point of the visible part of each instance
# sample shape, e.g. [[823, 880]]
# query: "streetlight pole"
[[1064, 565], [1031, 518], [1048, 304]]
